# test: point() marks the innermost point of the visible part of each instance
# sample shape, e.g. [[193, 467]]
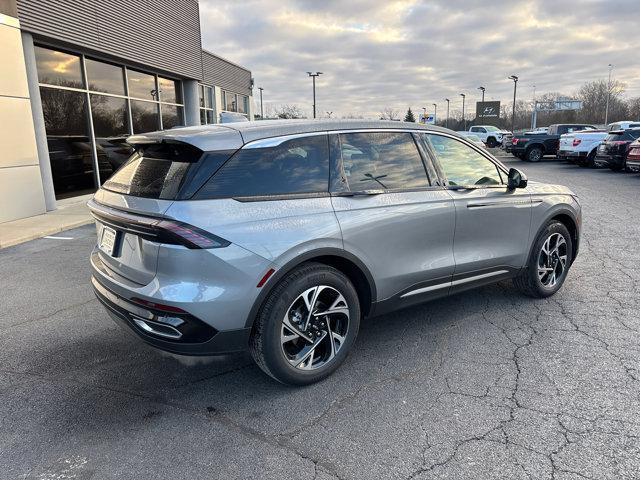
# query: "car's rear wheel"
[[491, 142], [534, 154], [588, 162], [307, 325], [548, 263]]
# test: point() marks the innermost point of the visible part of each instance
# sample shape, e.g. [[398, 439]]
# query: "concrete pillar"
[[21, 193], [191, 102], [217, 100], [38, 121]]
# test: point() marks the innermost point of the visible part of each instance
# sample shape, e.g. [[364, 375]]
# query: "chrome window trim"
[[279, 140]]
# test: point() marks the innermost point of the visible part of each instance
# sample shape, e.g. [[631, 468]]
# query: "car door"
[[392, 217], [491, 237]]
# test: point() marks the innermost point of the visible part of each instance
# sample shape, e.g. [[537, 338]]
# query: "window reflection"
[[142, 85], [461, 164], [103, 77], [58, 68], [111, 129], [65, 118], [171, 116], [374, 161], [168, 90], [145, 116]]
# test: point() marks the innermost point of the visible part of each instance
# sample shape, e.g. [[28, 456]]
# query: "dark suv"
[[613, 151]]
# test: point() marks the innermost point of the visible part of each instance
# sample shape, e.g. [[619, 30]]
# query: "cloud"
[[401, 53]]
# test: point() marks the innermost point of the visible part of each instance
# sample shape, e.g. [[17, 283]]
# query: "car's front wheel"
[[534, 154], [307, 325], [548, 263]]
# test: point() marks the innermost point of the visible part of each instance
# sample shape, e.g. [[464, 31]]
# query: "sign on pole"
[[429, 118], [488, 109]]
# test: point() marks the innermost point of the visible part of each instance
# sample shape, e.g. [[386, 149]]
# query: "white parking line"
[[59, 238]]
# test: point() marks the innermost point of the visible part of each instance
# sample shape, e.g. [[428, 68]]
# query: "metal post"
[[513, 113], [313, 76], [482, 89], [447, 120], [464, 120], [606, 111], [435, 113], [261, 109]]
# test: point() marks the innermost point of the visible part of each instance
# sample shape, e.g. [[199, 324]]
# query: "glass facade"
[[206, 104], [234, 102], [90, 108]]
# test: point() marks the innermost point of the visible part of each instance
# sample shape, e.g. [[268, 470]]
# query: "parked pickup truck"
[[581, 147], [533, 147], [490, 135]]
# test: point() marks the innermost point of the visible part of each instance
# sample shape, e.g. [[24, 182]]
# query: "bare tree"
[[288, 111], [389, 114], [594, 100]]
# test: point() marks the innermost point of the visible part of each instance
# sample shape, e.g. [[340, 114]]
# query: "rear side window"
[[295, 166], [619, 136], [382, 160], [155, 171]]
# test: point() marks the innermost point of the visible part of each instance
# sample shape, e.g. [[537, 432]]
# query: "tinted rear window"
[[618, 137], [155, 171], [295, 166]]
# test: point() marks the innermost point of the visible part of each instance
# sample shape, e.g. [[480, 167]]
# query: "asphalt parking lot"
[[487, 384]]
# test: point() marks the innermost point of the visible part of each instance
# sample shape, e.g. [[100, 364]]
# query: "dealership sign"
[[429, 118], [488, 109]]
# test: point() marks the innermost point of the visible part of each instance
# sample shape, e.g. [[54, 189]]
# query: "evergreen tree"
[[409, 116]]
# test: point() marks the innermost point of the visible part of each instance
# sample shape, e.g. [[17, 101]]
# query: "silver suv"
[[279, 237]]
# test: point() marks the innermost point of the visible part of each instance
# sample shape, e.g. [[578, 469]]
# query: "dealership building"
[[79, 76]]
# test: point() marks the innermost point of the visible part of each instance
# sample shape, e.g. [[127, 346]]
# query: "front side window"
[[461, 164], [296, 166], [382, 160]]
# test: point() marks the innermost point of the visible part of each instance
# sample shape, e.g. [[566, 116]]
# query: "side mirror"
[[516, 179]]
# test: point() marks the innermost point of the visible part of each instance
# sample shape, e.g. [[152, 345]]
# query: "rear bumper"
[[571, 153], [633, 164], [204, 340], [609, 160]]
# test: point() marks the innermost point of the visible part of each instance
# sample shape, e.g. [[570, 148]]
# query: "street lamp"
[[261, 109], [513, 113], [606, 110], [464, 121], [482, 89], [447, 120], [435, 113], [313, 75]]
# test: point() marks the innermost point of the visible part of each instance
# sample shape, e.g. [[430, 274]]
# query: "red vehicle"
[[633, 157]]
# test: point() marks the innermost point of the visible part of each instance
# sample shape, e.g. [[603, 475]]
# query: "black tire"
[[616, 167], [265, 343], [492, 142], [588, 162], [528, 281], [534, 154]]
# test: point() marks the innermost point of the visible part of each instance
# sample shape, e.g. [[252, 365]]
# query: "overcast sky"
[[377, 54]]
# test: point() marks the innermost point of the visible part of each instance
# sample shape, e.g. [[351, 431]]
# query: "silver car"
[[280, 236]]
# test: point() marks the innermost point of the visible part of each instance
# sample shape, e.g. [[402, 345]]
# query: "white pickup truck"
[[580, 147], [490, 135]]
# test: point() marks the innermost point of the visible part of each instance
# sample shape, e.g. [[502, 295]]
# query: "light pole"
[[606, 110], [447, 120], [482, 89], [435, 113], [513, 113], [464, 120], [261, 109], [313, 75]]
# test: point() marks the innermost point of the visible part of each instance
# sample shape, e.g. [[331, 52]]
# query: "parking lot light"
[[513, 113], [482, 89], [447, 120], [313, 75], [464, 121], [435, 113], [606, 110]]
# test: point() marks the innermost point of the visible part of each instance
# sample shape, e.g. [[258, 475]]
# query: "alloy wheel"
[[315, 327], [552, 260]]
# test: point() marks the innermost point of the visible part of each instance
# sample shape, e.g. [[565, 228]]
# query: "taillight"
[[171, 231], [514, 141], [156, 229], [576, 142]]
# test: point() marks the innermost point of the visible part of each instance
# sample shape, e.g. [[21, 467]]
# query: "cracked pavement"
[[486, 384]]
